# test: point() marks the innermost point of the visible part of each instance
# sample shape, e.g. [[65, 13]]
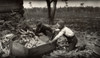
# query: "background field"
[[78, 18]]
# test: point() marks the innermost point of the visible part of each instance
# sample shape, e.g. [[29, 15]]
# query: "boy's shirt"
[[65, 31]]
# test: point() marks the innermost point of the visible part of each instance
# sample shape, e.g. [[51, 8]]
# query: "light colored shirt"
[[65, 31]]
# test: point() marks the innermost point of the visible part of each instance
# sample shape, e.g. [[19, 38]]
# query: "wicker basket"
[[41, 50], [19, 50]]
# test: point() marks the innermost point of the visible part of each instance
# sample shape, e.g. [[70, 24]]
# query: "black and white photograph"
[[49, 28]]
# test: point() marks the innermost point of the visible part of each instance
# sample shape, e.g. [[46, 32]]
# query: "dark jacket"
[[46, 30]]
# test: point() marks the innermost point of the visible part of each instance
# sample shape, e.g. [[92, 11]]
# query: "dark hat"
[[39, 22]]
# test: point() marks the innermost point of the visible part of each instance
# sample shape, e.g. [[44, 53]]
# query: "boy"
[[67, 32]]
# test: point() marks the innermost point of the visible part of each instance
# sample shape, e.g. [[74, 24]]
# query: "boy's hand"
[[50, 42]]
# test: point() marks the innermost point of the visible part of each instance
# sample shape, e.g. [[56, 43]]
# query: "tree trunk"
[[51, 11]]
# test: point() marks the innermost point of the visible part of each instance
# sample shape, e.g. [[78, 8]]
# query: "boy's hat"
[[39, 22]]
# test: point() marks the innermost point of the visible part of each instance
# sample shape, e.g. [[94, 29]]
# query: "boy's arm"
[[59, 35]]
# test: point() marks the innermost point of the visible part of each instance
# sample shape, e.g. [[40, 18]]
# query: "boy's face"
[[57, 26]]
